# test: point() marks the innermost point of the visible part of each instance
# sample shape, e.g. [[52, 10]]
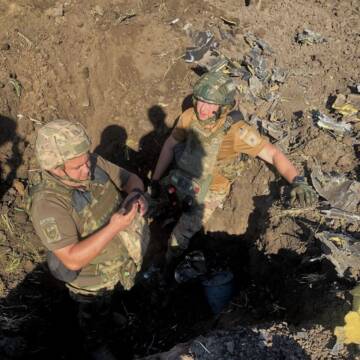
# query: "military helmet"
[[215, 88], [59, 141]]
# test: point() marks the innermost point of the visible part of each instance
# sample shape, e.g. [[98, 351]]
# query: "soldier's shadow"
[[8, 134], [113, 147]]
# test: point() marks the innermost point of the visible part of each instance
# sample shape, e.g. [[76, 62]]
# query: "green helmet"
[[215, 88], [59, 141]]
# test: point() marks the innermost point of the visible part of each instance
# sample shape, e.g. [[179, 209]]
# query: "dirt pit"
[[118, 68]]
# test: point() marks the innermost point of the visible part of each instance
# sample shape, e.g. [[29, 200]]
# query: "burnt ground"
[[117, 67]]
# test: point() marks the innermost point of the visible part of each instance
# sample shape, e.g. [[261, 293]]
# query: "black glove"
[[155, 189], [302, 192]]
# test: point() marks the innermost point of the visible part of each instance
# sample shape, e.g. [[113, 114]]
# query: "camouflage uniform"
[[210, 159], [63, 215]]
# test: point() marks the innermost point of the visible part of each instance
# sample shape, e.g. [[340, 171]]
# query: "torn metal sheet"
[[342, 251], [255, 85], [203, 42], [256, 64], [334, 213], [254, 41], [215, 61], [347, 106], [328, 123], [275, 130], [339, 191], [310, 37]]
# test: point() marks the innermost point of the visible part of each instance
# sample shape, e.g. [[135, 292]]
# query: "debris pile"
[[275, 341]]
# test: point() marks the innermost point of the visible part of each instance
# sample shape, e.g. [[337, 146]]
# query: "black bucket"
[[219, 289]]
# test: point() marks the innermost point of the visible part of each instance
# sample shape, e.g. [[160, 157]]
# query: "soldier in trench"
[[206, 144], [96, 238]]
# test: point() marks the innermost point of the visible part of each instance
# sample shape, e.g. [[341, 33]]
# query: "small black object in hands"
[[127, 205]]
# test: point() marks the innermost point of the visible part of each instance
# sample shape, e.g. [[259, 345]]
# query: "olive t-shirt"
[[241, 138], [51, 215]]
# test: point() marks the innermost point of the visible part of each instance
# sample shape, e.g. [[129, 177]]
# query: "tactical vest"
[[91, 210], [196, 165]]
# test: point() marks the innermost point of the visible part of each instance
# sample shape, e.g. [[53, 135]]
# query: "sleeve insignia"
[[50, 229], [248, 137]]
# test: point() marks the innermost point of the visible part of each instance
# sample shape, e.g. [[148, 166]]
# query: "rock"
[[5, 47], [56, 11], [98, 10], [19, 187], [85, 72]]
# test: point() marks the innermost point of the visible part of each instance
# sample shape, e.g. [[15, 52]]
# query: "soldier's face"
[[78, 168], [206, 110]]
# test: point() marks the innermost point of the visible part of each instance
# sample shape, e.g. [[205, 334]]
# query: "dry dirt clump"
[[118, 68]]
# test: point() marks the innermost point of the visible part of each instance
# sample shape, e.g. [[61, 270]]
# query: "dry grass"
[[12, 263], [7, 224]]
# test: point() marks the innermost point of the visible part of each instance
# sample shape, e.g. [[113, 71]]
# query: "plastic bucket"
[[219, 290]]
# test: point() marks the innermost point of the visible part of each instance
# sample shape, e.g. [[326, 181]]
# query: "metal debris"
[[342, 251], [213, 61], [347, 106], [275, 130], [339, 191], [256, 64], [173, 22], [255, 85], [310, 37], [126, 16], [278, 75], [335, 213], [203, 42], [328, 123], [254, 42]]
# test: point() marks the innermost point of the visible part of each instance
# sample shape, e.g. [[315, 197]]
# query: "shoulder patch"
[[249, 137], [50, 229]]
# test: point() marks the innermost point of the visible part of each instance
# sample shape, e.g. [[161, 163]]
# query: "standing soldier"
[[95, 238], [211, 137]]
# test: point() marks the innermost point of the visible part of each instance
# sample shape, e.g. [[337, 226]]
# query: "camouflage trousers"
[[122, 268], [192, 221]]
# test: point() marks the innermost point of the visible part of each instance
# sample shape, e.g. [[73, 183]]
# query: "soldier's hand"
[[121, 220], [302, 192]]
